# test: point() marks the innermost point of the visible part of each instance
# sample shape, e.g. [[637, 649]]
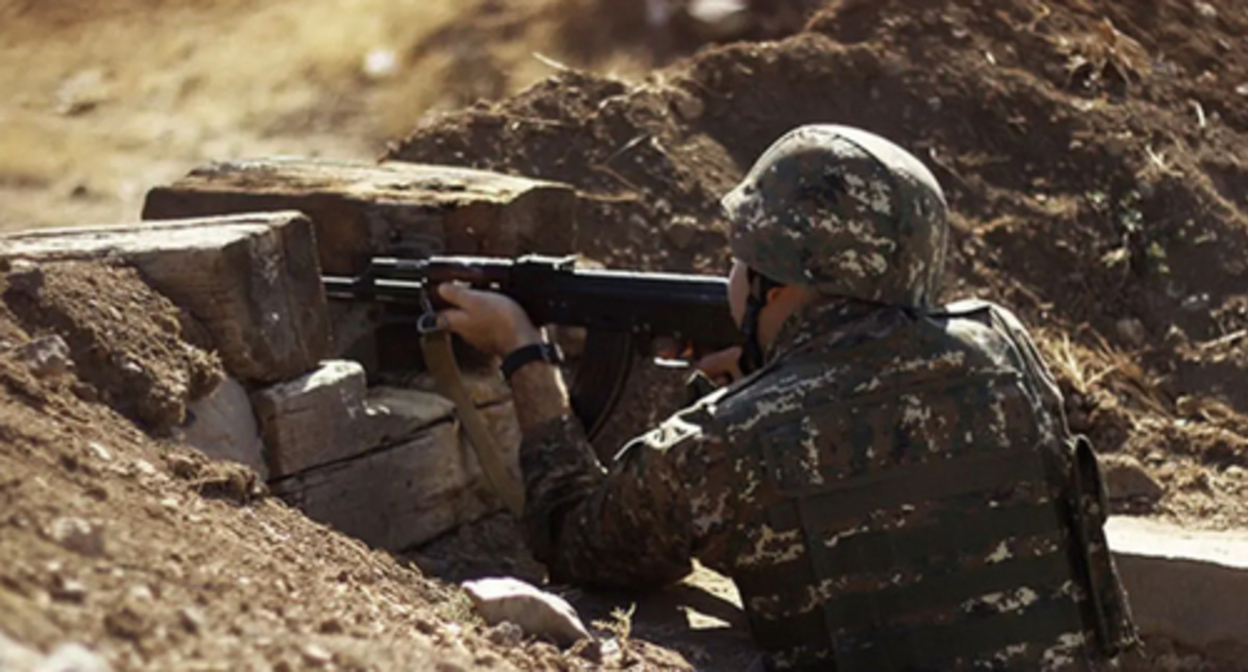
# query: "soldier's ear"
[[774, 294], [795, 295], [788, 294]]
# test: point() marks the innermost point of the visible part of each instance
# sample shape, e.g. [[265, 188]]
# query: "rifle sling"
[[440, 360]]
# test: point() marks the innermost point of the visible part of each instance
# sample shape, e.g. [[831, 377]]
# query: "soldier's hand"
[[723, 366], [488, 321]]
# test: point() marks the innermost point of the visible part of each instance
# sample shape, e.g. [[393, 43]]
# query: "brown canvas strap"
[[435, 343]]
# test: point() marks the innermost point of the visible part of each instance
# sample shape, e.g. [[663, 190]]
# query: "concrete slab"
[[1190, 586]]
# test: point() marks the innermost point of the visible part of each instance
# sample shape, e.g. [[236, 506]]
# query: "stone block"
[[1185, 585], [362, 210], [311, 420], [252, 280], [223, 426], [406, 494], [330, 415]]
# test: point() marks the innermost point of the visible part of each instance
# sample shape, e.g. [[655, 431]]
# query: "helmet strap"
[[752, 355]]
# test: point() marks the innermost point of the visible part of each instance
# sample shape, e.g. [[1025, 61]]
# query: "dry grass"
[[1100, 367]]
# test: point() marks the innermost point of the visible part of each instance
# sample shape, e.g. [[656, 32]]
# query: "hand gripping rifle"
[[623, 312]]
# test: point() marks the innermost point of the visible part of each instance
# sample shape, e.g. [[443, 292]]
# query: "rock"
[[68, 590], [17, 657], [191, 620], [719, 19], [536, 612], [223, 426], [689, 107], [25, 276], [316, 655], [73, 657], [46, 356], [78, 535], [100, 450], [82, 92], [506, 634], [1132, 331], [1126, 478], [680, 232], [231, 482], [1185, 585], [68, 657], [379, 64]]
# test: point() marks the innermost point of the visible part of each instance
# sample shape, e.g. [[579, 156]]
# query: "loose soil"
[[1093, 154]]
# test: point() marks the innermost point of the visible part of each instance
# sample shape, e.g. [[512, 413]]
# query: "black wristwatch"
[[547, 352]]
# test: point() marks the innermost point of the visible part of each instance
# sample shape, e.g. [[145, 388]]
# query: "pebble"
[[144, 467], [689, 107], [73, 657], [380, 64], [316, 655], [505, 634], [78, 536], [69, 590], [680, 232], [1132, 331], [1126, 478], [25, 276], [100, 451], [191, 620], [46, 356]]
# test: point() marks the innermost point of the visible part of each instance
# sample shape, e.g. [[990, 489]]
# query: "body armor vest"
[[921, 507]]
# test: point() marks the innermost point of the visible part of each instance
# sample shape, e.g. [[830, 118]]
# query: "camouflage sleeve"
[[636, 525], [1051, 394]]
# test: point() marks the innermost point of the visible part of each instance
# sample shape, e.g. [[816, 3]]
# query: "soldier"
[[892, 487]]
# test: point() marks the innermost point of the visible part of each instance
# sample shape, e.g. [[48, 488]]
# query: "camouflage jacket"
[[826, 486]]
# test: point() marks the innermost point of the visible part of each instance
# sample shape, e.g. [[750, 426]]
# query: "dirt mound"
[[125, 340], [1094, 157]]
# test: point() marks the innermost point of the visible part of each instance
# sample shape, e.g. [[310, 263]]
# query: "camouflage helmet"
[[844, 212]]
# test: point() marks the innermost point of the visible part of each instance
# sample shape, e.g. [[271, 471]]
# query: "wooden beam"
[[252, 280], [362, 210]]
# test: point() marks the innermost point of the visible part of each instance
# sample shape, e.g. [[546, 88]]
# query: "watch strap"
[[548, 352]]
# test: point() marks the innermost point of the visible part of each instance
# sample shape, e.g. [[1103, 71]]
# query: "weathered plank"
[[1185, 585], [362, 210], [405, 495], [252, 280]]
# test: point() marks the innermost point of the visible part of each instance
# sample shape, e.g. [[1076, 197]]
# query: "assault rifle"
[[623, 312]]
